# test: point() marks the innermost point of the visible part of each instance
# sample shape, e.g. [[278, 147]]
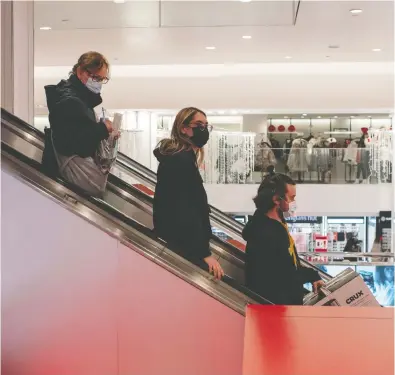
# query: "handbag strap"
[[63, 165]]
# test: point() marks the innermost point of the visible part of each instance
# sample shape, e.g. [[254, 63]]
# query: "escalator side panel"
[[77, 301]]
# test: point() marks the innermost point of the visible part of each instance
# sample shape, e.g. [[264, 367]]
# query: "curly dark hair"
[[273, 184]]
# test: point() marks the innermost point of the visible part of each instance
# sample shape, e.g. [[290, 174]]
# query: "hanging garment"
[[351, 153], [276, 148], [287, 146], [311, 155], [324, 162], [297, 161], [264, 157]]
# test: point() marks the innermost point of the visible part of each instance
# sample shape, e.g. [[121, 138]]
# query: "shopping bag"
[[346, 289], [106, 153]]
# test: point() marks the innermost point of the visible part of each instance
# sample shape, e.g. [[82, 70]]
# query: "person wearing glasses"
[[272, 266], [75, 131], [181, 213]]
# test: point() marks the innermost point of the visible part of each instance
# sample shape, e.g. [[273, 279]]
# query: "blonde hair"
[[179, 141], [91, 61]]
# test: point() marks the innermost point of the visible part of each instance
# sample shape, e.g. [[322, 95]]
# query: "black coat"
[[269, 269], [74, 127], [180, 210]]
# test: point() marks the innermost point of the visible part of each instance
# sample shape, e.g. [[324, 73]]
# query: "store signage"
[[384, 225], [304, 219]]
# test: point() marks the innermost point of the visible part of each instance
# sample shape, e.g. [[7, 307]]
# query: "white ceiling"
[[128, 34], [169, 67]]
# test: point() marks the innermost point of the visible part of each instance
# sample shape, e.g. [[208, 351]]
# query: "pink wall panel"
[[170, 327], [76, 302], [58, 280]]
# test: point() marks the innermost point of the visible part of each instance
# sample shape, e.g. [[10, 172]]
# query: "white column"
[[17, 58], [256, 124]]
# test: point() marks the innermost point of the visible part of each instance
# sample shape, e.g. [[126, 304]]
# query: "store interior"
[[324, 241], [322, 147], [325, 89]]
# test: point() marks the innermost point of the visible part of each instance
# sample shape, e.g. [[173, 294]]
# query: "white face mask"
[[93, 86], [292, 208]]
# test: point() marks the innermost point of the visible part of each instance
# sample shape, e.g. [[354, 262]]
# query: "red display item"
[[364, 130], [272, 128], [281, 128], [291, 128]]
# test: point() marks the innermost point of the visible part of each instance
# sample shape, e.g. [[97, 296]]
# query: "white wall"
[[75, 301], [345, 200], [295, 87]]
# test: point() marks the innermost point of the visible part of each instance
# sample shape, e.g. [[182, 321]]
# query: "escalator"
[[124, 213], [130, 191]]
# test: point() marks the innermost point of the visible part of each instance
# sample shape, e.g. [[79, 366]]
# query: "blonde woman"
[[181, 211]]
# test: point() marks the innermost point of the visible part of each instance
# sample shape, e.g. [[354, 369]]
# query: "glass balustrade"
[[324, 165]]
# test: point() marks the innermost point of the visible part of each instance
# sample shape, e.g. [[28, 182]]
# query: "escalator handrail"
[[235, 250], [6, 149], [146, 199], [149, 174], [224, 219], [13, 119]]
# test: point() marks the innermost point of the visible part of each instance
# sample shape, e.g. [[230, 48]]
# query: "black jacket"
[[269, 269], [181, 212], [75, 130]]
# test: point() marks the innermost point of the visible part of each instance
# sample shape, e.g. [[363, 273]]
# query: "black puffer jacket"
[[181, 211], [269, 268], [75, 129]]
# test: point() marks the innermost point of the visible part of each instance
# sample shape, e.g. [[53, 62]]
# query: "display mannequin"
[[363, 158]]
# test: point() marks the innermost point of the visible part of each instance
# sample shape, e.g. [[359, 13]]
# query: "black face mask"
[[200, 137]]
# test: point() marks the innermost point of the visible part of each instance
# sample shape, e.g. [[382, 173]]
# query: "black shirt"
[[269, 269], [180, 210], [75, 129]]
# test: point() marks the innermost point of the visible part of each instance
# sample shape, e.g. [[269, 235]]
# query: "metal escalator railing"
[[217, 214], [133, 234], [133, 178], [121, 196]]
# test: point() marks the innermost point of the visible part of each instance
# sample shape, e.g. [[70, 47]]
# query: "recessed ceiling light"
[[376, 49], [318, 116], [304, 114], [246, 36], [45, 28], [234, 112], [210, 48], [356, 11], [221, 112], [288, 57], [285, 116], [335, 116], [333, 46]]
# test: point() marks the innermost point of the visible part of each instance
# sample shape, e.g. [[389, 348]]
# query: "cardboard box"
[[346, 289]]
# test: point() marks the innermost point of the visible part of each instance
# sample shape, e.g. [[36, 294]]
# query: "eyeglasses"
[[201, 126], [97, 78]]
